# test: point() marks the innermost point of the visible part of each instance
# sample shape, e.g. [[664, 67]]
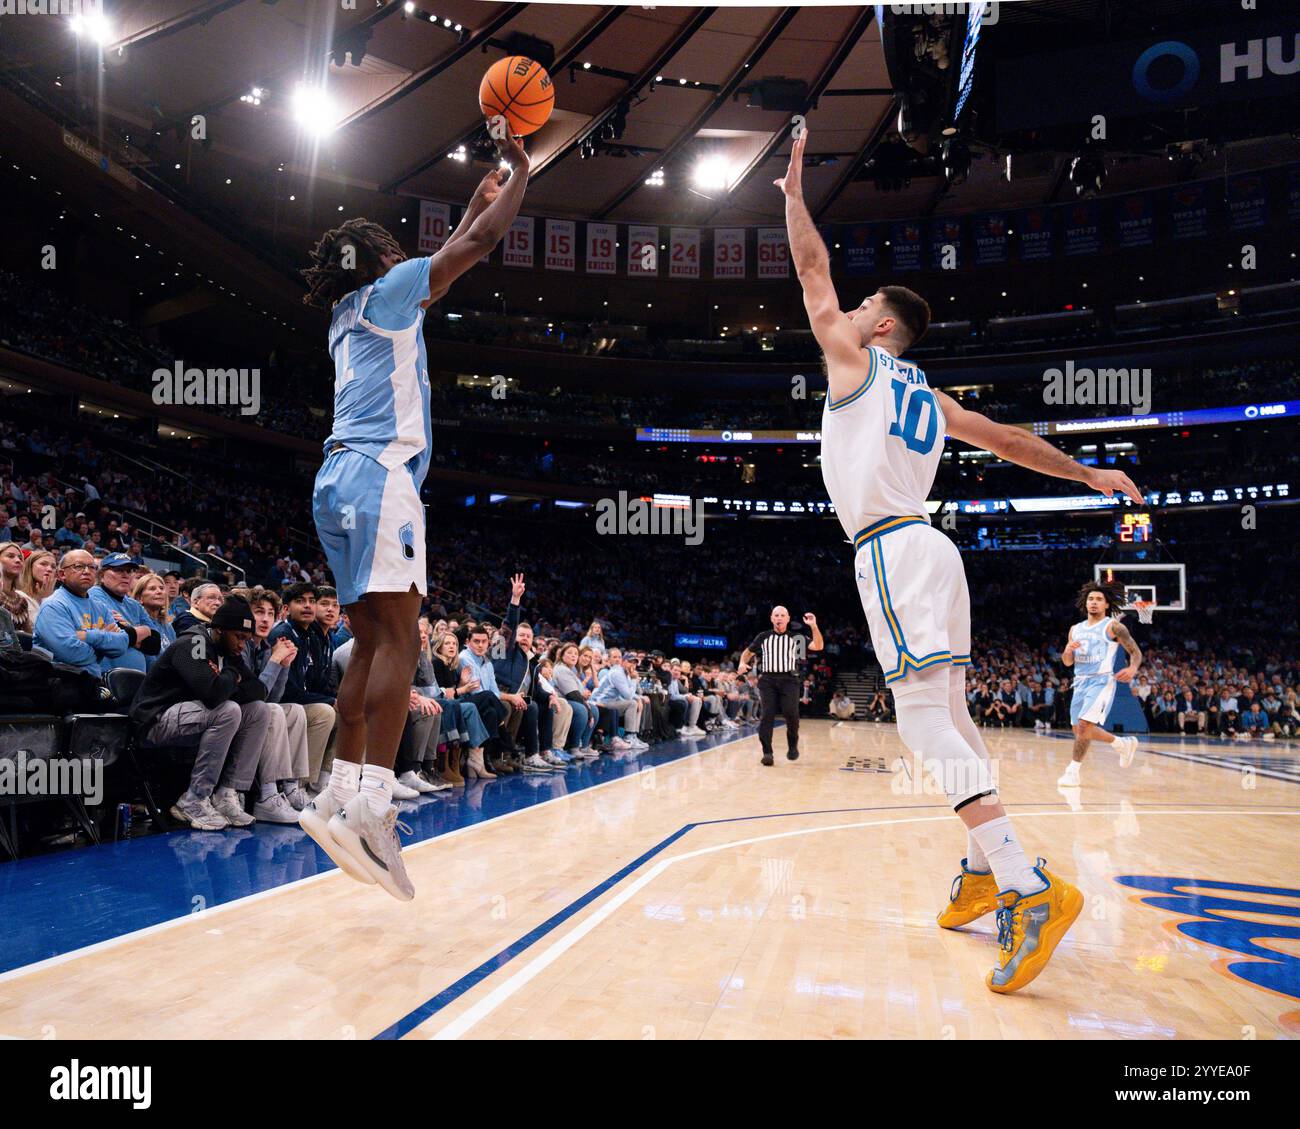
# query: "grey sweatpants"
[[230, 738]]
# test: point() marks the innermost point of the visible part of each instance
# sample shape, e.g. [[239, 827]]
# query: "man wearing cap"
[[202, 692], [112, 602], [70, 627]]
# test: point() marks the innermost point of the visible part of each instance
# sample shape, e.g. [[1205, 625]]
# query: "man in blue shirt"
[[70, 627], [111, 599], [366, 502]]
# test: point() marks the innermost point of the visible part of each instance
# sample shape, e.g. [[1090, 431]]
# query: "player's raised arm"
[[836, 335], [1027, 450], [488, 189], [486, 231]]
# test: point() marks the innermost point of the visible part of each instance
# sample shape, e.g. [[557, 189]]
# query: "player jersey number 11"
[[907, 422]]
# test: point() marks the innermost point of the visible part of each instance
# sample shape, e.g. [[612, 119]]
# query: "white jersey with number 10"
[[881, 444]]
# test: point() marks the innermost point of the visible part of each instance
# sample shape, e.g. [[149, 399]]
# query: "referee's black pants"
[[779, 693]]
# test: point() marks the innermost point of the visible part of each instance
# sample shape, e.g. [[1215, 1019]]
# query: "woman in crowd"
[[37, 578], [151, 593], [569, 684], [20, 606], [443, 649], [595, 637]]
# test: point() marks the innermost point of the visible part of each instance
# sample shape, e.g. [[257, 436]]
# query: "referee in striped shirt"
[[781, 651]]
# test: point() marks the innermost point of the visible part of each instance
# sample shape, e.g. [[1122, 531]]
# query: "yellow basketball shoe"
[[974, 893], [1030, 926]]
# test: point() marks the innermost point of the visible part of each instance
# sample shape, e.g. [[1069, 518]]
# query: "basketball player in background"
[[1090, 649], [883, 431], [367, 500]]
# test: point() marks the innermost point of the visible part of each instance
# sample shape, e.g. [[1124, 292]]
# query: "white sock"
[[1011, 866], [265, 792], [377, 787], [975, 859], [344, 780], [226, 794]]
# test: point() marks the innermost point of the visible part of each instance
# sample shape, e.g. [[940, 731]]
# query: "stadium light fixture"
[[314, 110], [712, 173], [93, 26]]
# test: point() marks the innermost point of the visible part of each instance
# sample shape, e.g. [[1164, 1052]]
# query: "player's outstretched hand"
[[511, 148], [792, 183], [489, 188], [1108, 481]]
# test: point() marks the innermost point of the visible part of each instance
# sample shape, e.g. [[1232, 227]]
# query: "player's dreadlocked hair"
[[327, 279], [1113, 593]]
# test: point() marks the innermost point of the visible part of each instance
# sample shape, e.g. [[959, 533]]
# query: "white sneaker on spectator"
[[619, 744], [297, 797], [277, 809], [315, 819], [550, 758], [199, 814], [535, 763], [413, 781], [403, 792], [230, 806]]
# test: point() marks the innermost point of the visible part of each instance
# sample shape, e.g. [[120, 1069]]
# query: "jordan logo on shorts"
[[407, 537]]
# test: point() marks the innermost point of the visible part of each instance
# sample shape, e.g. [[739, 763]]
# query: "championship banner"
[[773, 251], [1035, 228], [684, 252], [946, 243], [905, 242], [517, 247], [860, 249], [561, 244], [989, 236], [1082, 228], [435, 226], [601, 238], [1247, 201], [728, 252], [1135, 221], [642, 251], [1189, 212]]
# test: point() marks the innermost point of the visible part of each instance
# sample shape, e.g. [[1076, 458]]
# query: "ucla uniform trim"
[[881, 527], [906, 660], [861, 390]]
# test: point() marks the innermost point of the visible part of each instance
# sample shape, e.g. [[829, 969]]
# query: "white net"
[[1145, 609]]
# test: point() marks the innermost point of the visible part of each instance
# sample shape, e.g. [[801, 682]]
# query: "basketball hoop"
[[1145, 609]]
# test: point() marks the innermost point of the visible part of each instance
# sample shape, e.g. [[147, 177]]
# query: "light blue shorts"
[[1092, 700], [371, 524]]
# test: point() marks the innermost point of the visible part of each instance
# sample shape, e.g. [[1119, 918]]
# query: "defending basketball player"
[[1090, 650], [367, 500], [883, 431]]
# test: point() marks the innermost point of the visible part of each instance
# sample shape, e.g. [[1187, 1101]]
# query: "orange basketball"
[[519, 89]]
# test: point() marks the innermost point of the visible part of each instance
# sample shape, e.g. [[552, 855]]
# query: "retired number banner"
[[773, 253], [435, 224], [642, 251], [684, 252], [517, 247], [601, 238], [561, 240], [728, 252]]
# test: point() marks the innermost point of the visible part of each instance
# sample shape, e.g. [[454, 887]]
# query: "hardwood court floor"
[[709, 897]]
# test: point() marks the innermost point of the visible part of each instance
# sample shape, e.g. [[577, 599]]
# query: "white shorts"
[[913, 589]]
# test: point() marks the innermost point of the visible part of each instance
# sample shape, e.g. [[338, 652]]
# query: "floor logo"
[[1227, 915]]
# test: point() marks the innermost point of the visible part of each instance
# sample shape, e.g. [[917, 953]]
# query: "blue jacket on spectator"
[[311, 675], [510, 667], [61, 616], [257, 654], [108, 606]]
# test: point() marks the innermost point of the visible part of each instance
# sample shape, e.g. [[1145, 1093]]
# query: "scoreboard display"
[[1133, 529]]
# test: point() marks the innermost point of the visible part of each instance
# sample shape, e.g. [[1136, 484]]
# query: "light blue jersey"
[[1094, 672], [381, 372]]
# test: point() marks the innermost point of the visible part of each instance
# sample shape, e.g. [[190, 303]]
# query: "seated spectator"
[[616, 696], [478, 684], [150, 592], [37, 578], [1254, 722], [71, 628], [329, 615], [595, 637], [842, 706], [112, 600], [205, 598], [312, 680], [20, 606], [569, 685], [200, 691], [463, 731], [286, 768], [67, 537], [1193, 715]]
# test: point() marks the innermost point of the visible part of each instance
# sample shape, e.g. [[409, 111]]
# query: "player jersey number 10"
[[910, 403]]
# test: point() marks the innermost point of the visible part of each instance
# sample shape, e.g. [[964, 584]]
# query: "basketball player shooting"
[[883, 432], [1090, 650], [367, 499]]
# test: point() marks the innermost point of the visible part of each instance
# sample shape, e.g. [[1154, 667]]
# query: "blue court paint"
[[58, 903]]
